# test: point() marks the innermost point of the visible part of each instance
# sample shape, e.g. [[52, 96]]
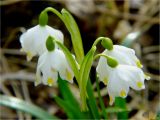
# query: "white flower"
[[124, 55], [33, 41], [121, 78], [49, 65], [126, 74]]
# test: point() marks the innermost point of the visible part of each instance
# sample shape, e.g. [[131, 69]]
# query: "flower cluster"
[[126, 74], [51, 62], [118, 66]]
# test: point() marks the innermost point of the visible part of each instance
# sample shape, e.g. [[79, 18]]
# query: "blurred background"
[[133, 23]]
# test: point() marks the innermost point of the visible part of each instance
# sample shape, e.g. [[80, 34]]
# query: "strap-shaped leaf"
[[121, 103], [70, 109], [67, 94], [84, 75], [21, 105], [75, 34], [69, 103], [92, 101]]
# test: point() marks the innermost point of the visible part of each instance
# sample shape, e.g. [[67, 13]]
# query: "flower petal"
[[33, 41], [117, 86], [62, 66], [133, 75], [124, 55], [103, 70]]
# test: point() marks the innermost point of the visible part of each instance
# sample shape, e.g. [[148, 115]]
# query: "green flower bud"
[[107, 43], [43, 18], [112, 62], [50, 45]]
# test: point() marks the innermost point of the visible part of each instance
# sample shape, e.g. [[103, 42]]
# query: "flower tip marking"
[[36, 82], [29, 56], [138, 63], [123, 93], [50, 81], [69, 76], [105, 80], [110, 100], [139, 84]]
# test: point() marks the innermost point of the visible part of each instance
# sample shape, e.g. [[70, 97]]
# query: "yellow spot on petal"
[[138, 63], [105, 80], [50, 81], [29, 56], [123, 93], [139, 84], [110, 100], [68, 75]]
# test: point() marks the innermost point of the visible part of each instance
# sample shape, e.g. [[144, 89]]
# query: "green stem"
[[97, 41], [50, 9], [101, 101], [99, 55]]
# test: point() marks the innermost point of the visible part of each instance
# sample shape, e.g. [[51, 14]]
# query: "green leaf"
[[69, 109], [21, 105], [69, 104], [101, 100], [75, 34], [121, 103], [92, 101], [67, 94], [84, 75]]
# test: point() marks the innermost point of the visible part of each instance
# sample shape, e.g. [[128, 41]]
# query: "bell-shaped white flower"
[[126, 74], [33, 40], [50, 64], [121, 78], [124, 55]]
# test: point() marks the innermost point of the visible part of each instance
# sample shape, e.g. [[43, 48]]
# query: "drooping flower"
[[126, 74], [50, 64], [33, 40], [124, 55], [122, 78]]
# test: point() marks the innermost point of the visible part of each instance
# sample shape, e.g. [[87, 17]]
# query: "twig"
[[126, 8], [18, 76], [11, 51], [136, 17]]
